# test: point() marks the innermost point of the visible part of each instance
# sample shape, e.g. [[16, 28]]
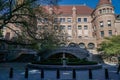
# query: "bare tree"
[[25, 14]]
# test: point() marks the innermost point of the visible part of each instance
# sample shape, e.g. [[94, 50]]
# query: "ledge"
[[68, 67]]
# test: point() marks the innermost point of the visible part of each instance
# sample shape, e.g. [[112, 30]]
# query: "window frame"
[[109, 23], [62, 19], [69, 27], [110, 32], [102, 34], [69, 19], [85, 19], [79, 27], [101, 24], [86, 27], [78, 19]]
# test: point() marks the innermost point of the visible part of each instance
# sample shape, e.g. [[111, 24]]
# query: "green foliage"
[[110, 46]]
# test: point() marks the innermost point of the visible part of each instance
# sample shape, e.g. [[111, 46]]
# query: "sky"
[[90, 3]]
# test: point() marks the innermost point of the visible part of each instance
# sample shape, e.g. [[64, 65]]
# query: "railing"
[[58, 75]]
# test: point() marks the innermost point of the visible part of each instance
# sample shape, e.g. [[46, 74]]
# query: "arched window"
[[111, 11], [107, 10], [72, 45], [81, 45], [62, 45], [104, 10], [91, 45]]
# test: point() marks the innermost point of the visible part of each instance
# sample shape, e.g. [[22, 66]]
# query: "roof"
[[67, 10], [101, 2]]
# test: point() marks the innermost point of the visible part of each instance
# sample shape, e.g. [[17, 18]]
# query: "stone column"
[[74, 30]]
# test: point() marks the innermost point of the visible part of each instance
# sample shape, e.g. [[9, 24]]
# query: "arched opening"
[[62, 44], [91, 45], [61, 55], [72, 45], [81, 45]]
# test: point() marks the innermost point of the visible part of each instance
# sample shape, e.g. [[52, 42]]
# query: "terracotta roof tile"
[[84, 10], [104, 2], [80, 10]]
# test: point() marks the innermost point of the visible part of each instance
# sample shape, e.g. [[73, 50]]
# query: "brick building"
[[86, 26]]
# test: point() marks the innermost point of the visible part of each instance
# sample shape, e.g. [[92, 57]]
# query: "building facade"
[[86, 26]]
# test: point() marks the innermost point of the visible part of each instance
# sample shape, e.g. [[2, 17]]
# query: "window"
[[101, 24], [72, 45], [45, 27], [104, 10], [102, 33], [39, 20], [39, 27], [110, 32], [91, 45], [107, 10], [85, 27], [55, 27], [79, 19], [81, 45], [69, 20], [110, 10], [109, 23], [86, 36], [69, 37], [69, 27], [80, 37], [55, 20], [62, 27], [62, 44], [79, 27], [100, 11], [45, 20], [85, 19], [62, 19]]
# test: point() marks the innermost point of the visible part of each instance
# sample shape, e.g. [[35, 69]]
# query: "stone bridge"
[[13, 54], [76, 51]]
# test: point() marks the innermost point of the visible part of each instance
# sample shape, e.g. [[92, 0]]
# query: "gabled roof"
[[67, 10]]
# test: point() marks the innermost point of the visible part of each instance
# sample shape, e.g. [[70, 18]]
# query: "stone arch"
[[82, 45], [91, 45], [76, 51]]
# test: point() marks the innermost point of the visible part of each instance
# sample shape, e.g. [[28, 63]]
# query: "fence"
[[42, 75]]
